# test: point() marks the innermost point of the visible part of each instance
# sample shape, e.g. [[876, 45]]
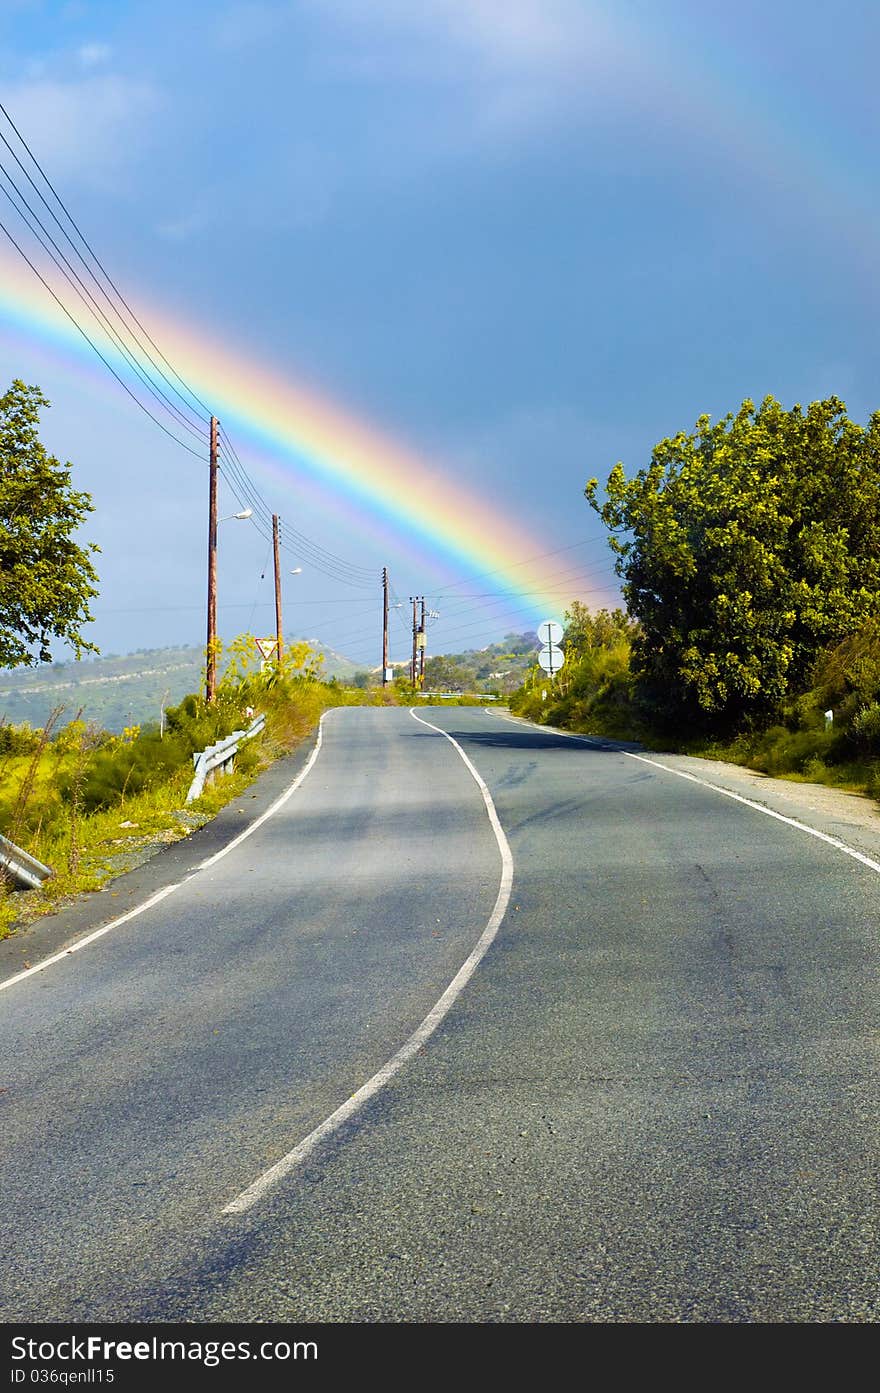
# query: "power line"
[[501, 617], [95, 258], [329, 555], [563, 580], [587, 542], [85, 295], [140, 359], [95, 348]]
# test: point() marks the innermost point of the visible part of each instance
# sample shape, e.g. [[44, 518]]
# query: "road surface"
[[655, 1098]]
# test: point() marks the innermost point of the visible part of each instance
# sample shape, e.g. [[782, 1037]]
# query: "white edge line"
[[90, 938], [273, 807], [170, 889], [257, 1189], [760, 808], [716, 788]]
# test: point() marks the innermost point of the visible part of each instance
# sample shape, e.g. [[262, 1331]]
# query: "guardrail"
[[453, 696], [220, 756], [17, 865]]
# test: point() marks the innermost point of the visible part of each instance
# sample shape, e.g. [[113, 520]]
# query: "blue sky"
[[528, 237]]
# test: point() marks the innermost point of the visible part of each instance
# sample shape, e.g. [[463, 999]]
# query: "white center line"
[[257, 1189]]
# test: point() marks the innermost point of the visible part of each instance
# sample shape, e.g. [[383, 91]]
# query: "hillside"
[[118, 691], [500, 667]]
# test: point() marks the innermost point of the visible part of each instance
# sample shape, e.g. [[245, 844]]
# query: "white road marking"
[[170, 889], [90, 938], [420, 1035], [705, 783], [273, 808], [759, 808]]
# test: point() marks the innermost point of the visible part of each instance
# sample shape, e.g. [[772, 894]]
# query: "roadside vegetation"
[[496, 670], [91, 804], [749, 552]]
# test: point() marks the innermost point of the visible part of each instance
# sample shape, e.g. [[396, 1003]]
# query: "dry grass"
[[85, 852]]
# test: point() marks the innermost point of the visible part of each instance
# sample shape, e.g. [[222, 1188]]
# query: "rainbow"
[[300, 438]]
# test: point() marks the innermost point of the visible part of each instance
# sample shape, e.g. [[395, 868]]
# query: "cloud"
[[87, 127], [516, 66], [552, 37], [92, 55]]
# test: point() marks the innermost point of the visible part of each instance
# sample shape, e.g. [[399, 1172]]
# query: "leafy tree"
[[586, 629], [746, 548], [446, 673], [592, 691], [46, 579]]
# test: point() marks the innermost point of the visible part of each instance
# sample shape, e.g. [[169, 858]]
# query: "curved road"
[[656, 1098]]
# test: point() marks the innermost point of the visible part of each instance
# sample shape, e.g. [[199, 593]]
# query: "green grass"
[[85, 851]]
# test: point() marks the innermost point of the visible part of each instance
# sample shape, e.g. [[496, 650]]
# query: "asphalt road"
[[656, 1098]]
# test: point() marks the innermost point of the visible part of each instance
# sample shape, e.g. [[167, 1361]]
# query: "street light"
[[213, 525]]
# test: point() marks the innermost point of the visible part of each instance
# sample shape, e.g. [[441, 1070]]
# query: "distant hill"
[[499, 667], [115, 691]]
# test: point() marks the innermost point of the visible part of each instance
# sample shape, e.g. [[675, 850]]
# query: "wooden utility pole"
[[413, 667], [422, 645], [384, 626], [211, 655], [279, 648]]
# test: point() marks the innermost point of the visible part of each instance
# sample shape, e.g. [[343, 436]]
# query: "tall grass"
[[84, 802]]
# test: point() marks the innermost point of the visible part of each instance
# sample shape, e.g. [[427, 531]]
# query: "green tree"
[[746, 548], [446, 673], [46, 578], [587, 629]]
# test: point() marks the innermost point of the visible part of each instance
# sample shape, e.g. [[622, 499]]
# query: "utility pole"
[[211, 656], [384, 626], [413, 667], [279, 650], [422, 645]]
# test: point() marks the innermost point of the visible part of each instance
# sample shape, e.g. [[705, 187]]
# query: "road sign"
[[267, 647], [549, 632], [551, 658]]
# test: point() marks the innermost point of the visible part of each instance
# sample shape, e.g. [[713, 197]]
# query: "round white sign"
[[549, 632], [551, 658]]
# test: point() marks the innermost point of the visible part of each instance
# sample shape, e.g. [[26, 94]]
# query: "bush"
[[19, 740], [117, 769], [864, 729]]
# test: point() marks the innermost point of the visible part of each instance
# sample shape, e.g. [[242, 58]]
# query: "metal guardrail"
[[220, 756], [453, 696], [17, 865]]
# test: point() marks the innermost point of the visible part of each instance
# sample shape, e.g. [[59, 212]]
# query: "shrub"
[[864, 729], [117, 769], [19, 740]]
